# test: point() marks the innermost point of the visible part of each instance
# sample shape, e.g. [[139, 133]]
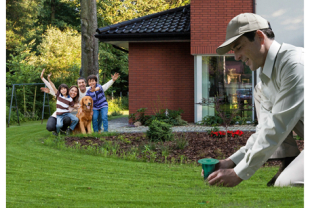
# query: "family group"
[[64, 119]]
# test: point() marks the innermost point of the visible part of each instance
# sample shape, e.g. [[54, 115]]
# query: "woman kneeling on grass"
[[63, 102], [52, 120]]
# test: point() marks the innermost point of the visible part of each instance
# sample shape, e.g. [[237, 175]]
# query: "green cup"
[[208, 165]]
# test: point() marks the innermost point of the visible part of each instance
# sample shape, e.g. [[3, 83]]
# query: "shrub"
[[125, 103], [115, 105], [116, 113], [173, 117], [211, 120], [178, 121], [132, 117], [142, 117], [159, 131], [240, 120]]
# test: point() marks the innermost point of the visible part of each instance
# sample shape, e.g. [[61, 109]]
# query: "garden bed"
[[186, 147]]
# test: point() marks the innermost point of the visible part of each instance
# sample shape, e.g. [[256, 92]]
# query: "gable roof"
[[172, 24]]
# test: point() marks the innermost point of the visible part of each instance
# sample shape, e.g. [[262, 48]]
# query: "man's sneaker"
[[69, 131], [55, 133]]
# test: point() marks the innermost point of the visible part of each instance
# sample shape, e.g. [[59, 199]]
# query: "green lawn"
[[40, 176]]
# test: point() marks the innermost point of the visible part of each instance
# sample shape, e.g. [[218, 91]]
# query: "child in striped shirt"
[[100, 107], [63, 103]]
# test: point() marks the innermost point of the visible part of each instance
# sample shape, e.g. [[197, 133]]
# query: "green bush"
[[173, 117], [211, 120], [116, 113], [178, 121], [132, 116], [159, 131], [240, 120], [142, 117], [125, 103], [117, 104]]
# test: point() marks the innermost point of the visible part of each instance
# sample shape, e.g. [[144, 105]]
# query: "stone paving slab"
[[121, 125], [121, 128]]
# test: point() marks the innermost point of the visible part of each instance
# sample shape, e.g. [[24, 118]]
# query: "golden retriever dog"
[[85, 115]]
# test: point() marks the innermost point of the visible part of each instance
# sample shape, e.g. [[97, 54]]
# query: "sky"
[[286, 18]]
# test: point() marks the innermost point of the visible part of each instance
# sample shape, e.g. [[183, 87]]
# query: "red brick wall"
[[161, 70], [209, 20]]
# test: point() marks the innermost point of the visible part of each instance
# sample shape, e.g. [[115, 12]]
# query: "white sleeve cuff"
[[243, 170], [237, 157]]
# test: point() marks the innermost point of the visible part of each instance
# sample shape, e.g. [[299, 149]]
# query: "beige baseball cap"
[[240, 24]]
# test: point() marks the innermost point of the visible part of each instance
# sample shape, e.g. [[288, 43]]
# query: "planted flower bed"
[[183, 148]]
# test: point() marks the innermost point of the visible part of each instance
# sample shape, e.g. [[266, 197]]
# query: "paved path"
[[121, 125]]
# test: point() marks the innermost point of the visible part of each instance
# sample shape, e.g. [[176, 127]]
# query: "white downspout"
[[197, 88]]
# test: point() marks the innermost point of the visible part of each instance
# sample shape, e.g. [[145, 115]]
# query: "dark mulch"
[[200, 145]]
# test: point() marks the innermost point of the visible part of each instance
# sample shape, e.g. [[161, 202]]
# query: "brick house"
[[172, 56]]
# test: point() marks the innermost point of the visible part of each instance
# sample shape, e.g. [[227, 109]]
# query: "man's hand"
[[223, 164], [224, 177], [115, 76], [44, 89]]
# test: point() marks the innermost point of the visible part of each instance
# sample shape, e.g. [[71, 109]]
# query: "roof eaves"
[[104, 29], [144, 36]]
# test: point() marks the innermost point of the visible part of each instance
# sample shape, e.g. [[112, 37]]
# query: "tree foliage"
[[112, 12], [60, 53]]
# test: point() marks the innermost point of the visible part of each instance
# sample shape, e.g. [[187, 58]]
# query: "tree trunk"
[[226, 135], [89, 42], [53, 5]]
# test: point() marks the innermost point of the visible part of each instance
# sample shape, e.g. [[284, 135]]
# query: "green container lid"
[[208, 165], [208, 161]]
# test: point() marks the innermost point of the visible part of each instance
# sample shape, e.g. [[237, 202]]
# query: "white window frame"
[[198, 86]]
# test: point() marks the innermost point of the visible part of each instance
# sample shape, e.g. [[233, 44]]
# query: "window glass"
[[229, 80]]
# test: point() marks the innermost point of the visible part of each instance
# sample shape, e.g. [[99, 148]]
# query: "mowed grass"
[[40, 176]]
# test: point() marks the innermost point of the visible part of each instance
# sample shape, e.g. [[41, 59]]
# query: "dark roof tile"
[[175, 20]]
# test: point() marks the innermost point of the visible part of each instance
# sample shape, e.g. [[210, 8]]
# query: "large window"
[[229, 80]]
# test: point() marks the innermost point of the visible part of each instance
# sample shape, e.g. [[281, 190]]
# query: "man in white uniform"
[[279, 97]]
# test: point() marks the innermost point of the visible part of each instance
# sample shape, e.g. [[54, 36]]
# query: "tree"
[[112, 12], [60, 54], [89, 42], [27, 20]]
